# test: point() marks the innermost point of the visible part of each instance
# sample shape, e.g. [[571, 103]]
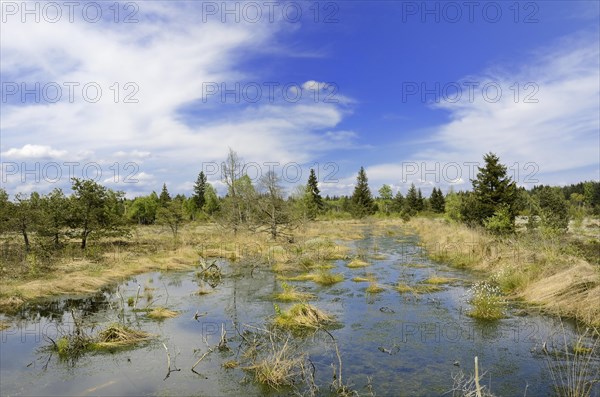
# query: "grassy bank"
[[549, 272], [152, 248]]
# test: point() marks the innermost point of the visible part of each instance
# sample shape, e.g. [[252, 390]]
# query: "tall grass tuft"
[[486, 301], [574, 369]]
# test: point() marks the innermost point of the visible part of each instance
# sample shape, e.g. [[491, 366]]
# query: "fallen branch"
[[169, 370]]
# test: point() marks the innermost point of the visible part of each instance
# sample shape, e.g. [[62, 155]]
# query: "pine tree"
[[398, 202], [412, 200], [165, 197], [362, 200], [199, 190], [437, 201], [493, 189], [420, 200], [315, 201]]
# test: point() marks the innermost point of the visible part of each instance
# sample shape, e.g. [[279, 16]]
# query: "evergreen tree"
[[412, 200], [420, 200], [200, 190], [493, 189], [314, 201], [362, 200], [398, 202], [164, 197], [437, 201]]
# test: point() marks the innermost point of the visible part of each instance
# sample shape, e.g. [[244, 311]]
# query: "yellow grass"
[[302, 316], [533, 269], [374, 288], [118, 335], [437, 280], [357, 263], [291, 294], [417, 289], [161, 313]]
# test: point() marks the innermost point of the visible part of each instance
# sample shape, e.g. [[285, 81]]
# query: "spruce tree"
[[164, 197], [200, 190], [312, 189], [398, 202], [412, 200], [493, 189], [437, 201], [420, 200], [362, 200]]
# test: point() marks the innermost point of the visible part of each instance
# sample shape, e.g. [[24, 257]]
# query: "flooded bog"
[[391, 341]]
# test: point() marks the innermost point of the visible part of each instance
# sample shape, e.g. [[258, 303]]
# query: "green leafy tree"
[[200, 190], [500, 223], [553, 209], [211, 200], [171, 215], [362, 200], [385, 197], [25, 216], [453, 205], [96, 210], [143, 209], [53, 217], [6, 209], [492, 189]]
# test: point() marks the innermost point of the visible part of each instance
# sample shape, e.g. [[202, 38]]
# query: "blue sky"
[[542, 56]]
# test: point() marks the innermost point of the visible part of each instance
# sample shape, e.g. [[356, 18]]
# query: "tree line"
[[93, 211]]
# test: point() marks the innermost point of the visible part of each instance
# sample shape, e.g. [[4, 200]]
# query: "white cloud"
[[166, 58], [539, 142], [33, 152]]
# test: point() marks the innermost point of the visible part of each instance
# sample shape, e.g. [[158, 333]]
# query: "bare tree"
[[273, 215]]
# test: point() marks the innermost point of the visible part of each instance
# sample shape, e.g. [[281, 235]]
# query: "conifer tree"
[[315, 201], [200, 190], [493, 189], [412, 200], [362, 199], [164, 197]]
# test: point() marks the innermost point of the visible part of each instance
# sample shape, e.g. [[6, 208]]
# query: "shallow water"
[[406, 344]]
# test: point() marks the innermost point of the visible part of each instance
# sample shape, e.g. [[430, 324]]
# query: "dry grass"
[[360, 279], [574, 370], [404, 288], [537, 269], [4, 325], [279, 368], [161, 313], [302, 316], [437, 280], [118, 335], [291, 294], [357, 263], [230, 364], [323, 277], [374, 288]]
